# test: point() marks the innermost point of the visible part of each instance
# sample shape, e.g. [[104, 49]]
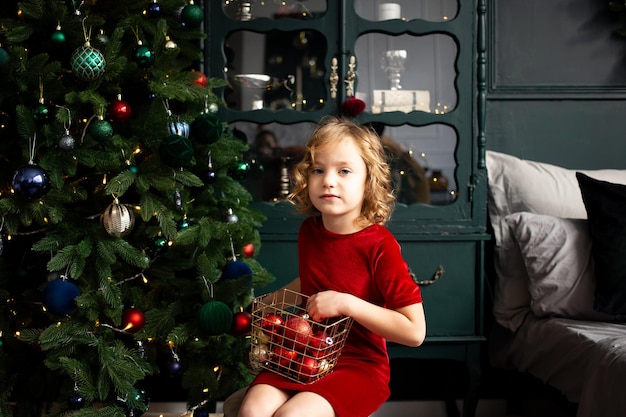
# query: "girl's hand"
[[327, 304]]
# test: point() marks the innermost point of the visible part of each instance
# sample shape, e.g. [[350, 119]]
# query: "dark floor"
[[523, 396]]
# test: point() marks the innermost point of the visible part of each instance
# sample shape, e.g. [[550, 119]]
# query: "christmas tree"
[[128, 244]]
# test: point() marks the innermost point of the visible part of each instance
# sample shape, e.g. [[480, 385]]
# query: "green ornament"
[[215, 317], [58, 37], [42, 114], [240, 170], [191, 15], [87, 63], [183, 224], [144, 56], [176, 151], [4, 58], [101, 130], [206, 128]]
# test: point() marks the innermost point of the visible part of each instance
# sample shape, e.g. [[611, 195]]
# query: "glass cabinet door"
[[289, 63]]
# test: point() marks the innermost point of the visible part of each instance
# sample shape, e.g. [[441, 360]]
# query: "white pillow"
[[517, 185], [558, 260]]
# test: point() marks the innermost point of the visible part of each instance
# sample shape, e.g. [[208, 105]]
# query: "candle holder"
[[393, 64]]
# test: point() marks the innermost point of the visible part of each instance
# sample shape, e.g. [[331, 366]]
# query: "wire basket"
[[287, 342]]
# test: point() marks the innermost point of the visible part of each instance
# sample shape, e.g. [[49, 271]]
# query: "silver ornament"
[[231, 217], [67, 142], [118, 220]]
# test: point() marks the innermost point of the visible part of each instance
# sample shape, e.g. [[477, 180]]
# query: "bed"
[[559, 298]]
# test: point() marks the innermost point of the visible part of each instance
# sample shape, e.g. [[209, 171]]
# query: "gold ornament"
[[118, 220], [169, 43], [258, 357]]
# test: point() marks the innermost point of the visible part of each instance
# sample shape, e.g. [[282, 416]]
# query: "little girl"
[[349, 265]]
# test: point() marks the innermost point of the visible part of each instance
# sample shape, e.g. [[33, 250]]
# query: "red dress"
[[368, 264]]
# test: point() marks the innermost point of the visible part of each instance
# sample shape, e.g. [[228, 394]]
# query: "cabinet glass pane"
[[422, 162], [254, 9], [274, 149], [406, 73], [275, 70], [421, 159], [430, 10]]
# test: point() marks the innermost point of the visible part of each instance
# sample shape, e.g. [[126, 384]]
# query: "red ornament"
[[353, 106], [283, 356], [273, 326], [248, 250], [308, 369], [201, 79], [272, 323], [120, 110], [242, 323], [298, 331], [133, 320], [318, 342]]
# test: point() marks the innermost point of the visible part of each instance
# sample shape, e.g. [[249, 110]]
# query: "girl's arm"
[[406, 326]]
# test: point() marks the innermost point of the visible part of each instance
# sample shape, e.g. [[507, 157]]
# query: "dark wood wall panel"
[[575, 133], [556, 82]]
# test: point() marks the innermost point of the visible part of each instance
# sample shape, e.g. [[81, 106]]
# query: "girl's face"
[[337, 182]]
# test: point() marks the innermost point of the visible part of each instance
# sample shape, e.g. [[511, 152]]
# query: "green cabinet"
[[419, 67]]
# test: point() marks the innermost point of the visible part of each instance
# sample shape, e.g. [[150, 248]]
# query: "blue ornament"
[[75, 402], [210, 176], [179, 128], [58, 297], [236, 269], [30, 182], [154, 10], [173, 367]]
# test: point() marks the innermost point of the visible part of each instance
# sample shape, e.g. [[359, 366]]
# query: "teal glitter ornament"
[[101, 130], [176, 151], [87, 63], [206, 128], [191, 15], [144, 56]]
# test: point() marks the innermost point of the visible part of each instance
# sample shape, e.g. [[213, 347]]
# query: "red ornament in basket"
[[299, 348]]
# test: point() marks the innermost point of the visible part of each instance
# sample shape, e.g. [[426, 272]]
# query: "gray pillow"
[[557, 257]]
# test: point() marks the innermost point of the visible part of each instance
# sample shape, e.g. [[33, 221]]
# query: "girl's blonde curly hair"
[[378, 202]]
